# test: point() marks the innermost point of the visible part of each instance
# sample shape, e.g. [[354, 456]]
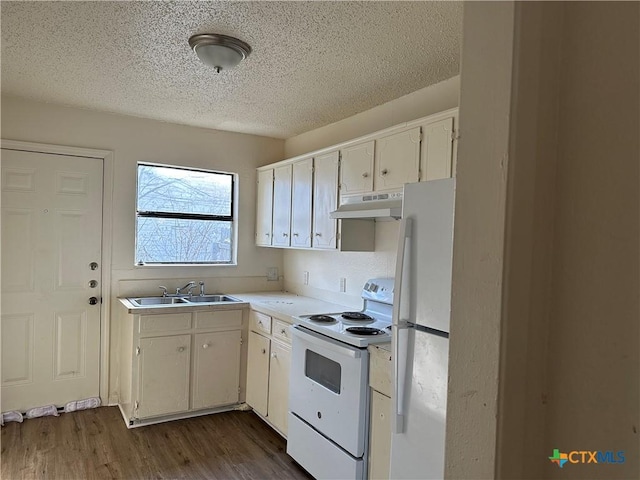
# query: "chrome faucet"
[[201, 288], [164, 290], [189, 285]]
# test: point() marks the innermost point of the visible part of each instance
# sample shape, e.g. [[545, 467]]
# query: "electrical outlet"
[[272, 274], [306, 278], [343, 284]]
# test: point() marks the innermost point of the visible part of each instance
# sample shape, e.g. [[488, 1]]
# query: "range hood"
[[371, 205]]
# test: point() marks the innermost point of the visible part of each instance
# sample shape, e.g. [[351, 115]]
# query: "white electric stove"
[[361, 328], [328, 386]]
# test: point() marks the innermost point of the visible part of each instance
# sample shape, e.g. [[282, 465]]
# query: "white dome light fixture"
[[219, 51]]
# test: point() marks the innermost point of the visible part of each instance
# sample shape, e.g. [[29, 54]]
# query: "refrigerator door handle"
[[400, 310]]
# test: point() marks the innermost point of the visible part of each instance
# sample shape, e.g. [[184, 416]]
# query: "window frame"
[[232, 218]]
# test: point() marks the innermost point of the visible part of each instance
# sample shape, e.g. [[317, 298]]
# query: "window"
[[184, 216]]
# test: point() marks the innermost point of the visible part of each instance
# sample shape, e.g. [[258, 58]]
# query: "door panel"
[[301, 203], [279, 385], [282, 206], [258, 372], [397, 160], [51, 232], [325, 200]]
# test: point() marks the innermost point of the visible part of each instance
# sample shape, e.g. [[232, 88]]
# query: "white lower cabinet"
[[258, 372], [163, 378], [380, 431], [380, 414], [216, 369], [268, 365], [179, 365]]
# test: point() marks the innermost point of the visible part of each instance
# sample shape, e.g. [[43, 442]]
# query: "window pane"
[[164, 240], [174, 190]]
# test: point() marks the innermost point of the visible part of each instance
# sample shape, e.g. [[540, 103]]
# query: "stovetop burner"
[[356, 316], [322, 318], [365, 331]]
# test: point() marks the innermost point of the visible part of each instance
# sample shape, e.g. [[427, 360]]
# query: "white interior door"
[[51, 254]]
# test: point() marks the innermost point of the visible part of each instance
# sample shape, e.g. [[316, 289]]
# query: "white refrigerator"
[[421, 314]]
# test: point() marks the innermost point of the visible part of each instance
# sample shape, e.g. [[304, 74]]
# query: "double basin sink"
[[186, 300]]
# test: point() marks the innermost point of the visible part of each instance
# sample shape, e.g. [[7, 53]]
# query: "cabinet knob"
[[264, 350], [283, 332], [273, 355], [206, 345], [296, 235], [181, 349], [267, 234], [259, 322], [285, 234], [318, 234], [384, 172], [365, 174]]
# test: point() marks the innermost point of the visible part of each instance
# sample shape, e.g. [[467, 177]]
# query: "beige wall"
[[326, 268], [135, 139], [545, 324], [593, 363], [426, 101]]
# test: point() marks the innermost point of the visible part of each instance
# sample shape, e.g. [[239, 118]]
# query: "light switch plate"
[[272, 274]]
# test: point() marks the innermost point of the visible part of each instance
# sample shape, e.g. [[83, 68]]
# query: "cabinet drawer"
[[169, 322], [219, 319], [259, 322], [281, 331], [380, 370]]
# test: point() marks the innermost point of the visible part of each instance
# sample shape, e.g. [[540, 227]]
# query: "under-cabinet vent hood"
[[371, 205]]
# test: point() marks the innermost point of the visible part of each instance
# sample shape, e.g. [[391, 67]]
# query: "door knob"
[[93, 301]]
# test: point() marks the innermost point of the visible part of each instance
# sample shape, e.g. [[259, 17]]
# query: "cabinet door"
[[163, 375], [216, 369], [302, 178], [264, 207], [356, 169], [325, 200], [397, 160], [436, 150], [279, 385], [258, 373], [380, 443], [281, 206]]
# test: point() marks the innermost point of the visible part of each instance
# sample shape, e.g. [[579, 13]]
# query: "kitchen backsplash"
[[327, 268]]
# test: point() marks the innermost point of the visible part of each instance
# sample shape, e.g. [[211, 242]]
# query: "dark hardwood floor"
[[96, 444]]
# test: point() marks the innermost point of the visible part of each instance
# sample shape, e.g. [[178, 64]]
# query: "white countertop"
[[287, 305]]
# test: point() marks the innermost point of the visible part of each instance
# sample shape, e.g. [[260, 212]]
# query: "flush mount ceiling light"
[[219, 51]]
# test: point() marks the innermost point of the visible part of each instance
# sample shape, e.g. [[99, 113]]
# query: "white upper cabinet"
[[356, 169], [296, 196], [281, 206], [302, 185], [397, 160], [437, 150], [325, 200], [264, 212]]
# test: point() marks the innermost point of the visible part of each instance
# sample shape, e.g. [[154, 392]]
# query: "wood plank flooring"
[[95, 444]]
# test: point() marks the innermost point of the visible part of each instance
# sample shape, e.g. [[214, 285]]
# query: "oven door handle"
[[325, 342]]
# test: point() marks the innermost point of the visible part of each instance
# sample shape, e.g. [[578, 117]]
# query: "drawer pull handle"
[[384, 172], [283, 332], [365, 174], [273, 355], [206, 345], [264, 350], [181, 349]]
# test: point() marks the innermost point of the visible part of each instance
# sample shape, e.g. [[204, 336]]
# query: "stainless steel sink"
[[157, 301], [147, 301], [211, 299]]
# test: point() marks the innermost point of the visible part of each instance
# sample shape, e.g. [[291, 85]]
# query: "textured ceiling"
[[313, 63]]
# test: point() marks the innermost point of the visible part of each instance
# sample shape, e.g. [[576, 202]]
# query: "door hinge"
[[455, 135], [137, 351], [135, 406], [238, 389], [241, 341]]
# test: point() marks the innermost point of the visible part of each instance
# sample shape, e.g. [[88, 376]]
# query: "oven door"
[[328, 388]]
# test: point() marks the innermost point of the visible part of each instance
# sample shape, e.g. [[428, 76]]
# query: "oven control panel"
[[379, 290]]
